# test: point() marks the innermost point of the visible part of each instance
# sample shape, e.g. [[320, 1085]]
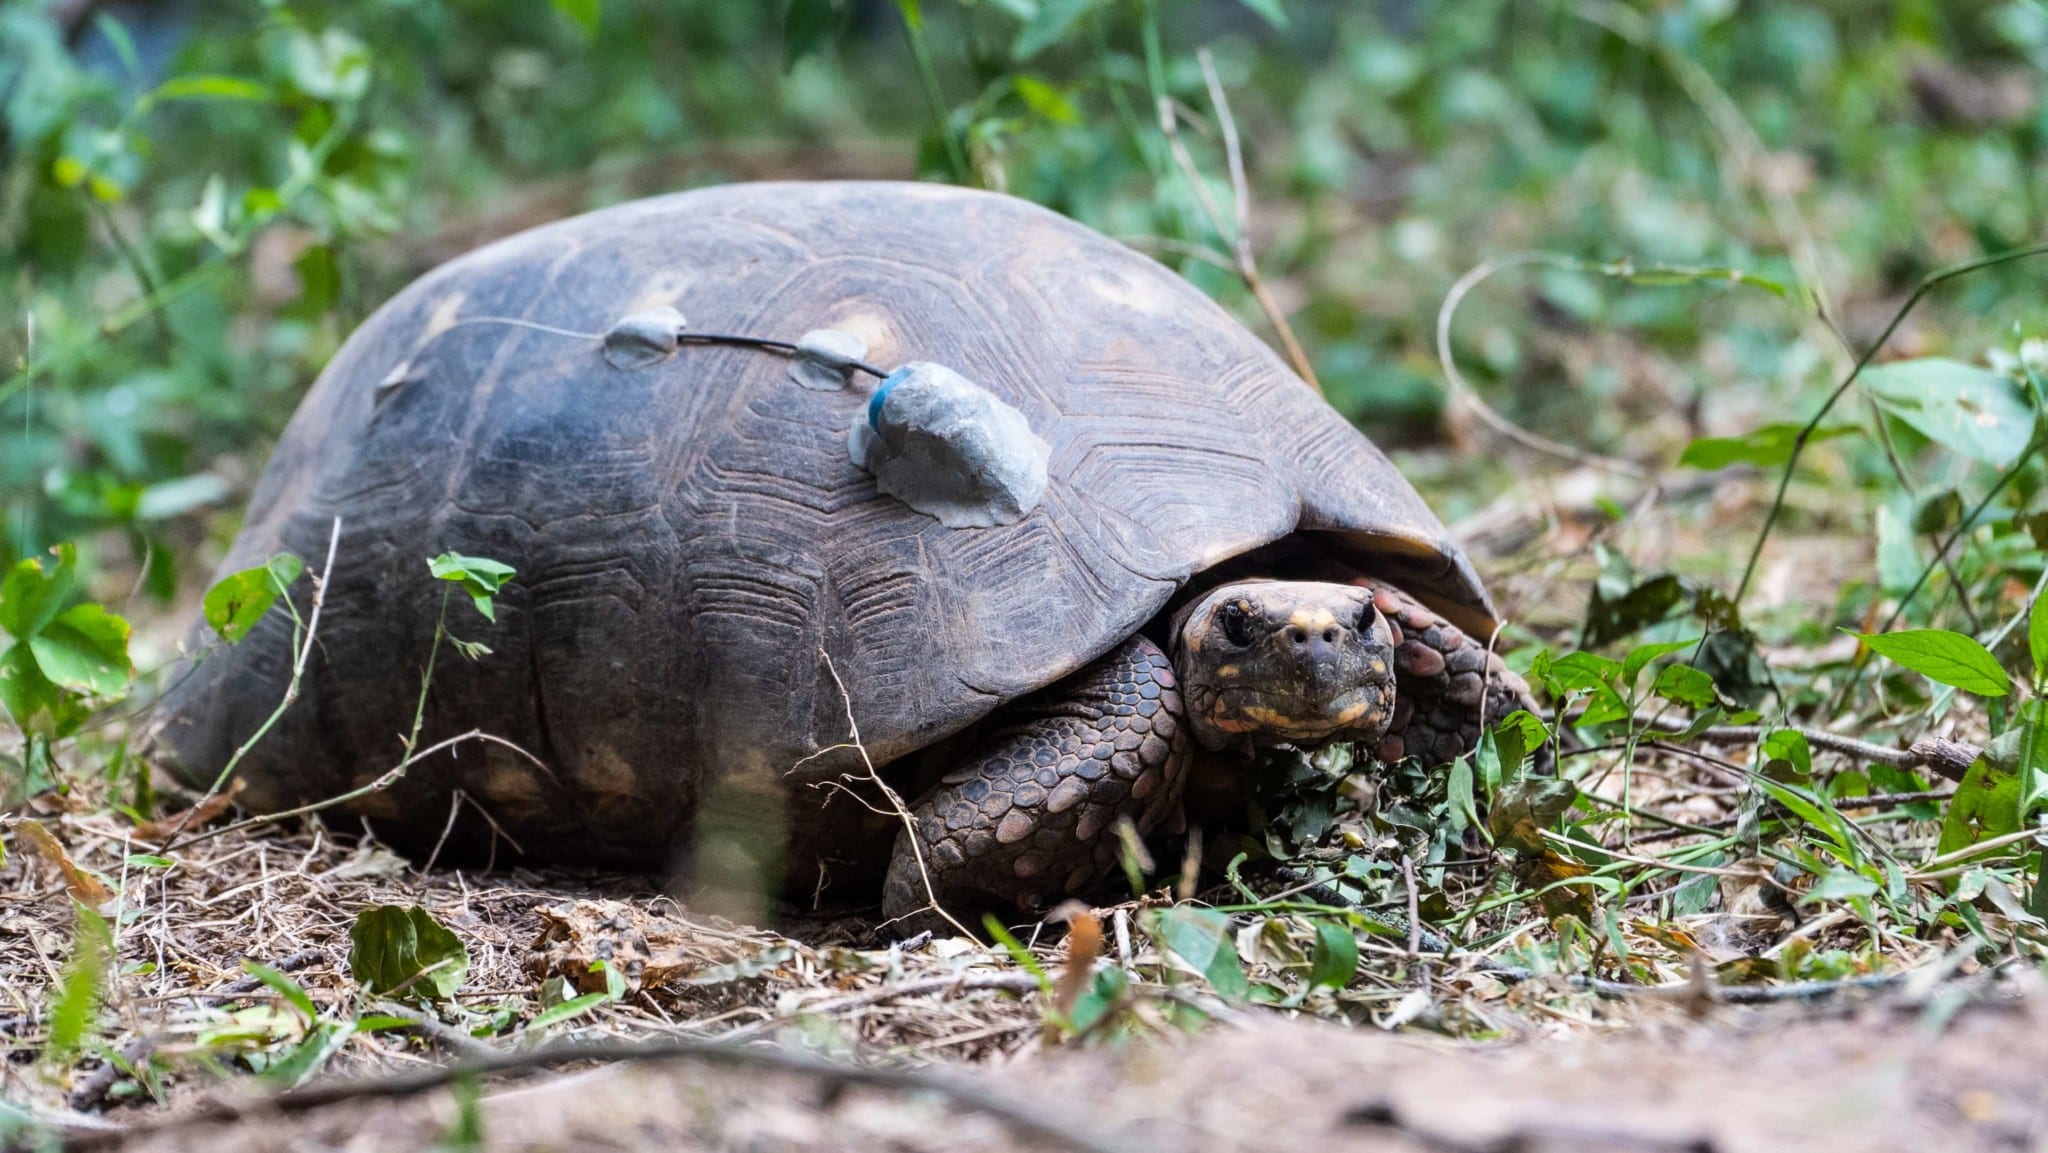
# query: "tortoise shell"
[[701, 567]]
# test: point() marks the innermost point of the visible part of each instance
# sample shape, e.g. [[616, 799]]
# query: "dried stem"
[[1464, 391], [1237, 238], [895, 802], [390, 777]]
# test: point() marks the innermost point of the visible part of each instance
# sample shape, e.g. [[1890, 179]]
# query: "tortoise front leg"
[[1447, 684], [1029, 816]]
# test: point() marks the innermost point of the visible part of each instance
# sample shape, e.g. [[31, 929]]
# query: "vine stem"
[[1463, 390], [1927, 284]]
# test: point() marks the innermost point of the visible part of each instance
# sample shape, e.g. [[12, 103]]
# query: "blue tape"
[[881, 396]]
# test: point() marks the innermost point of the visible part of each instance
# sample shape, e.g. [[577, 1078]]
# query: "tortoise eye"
[[1236, 619], [1367, 614]]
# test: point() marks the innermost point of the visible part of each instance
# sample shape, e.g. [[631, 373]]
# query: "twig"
[[895, 802], [464, 1045], [1034, 1121], [1238, 239], [389, 778], [135, 1052], [291, 692], [1950, 759]]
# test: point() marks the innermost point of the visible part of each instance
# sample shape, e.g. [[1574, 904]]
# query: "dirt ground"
[[1878, 1075]]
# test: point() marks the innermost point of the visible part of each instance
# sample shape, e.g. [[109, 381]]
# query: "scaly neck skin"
[[1302, 663]]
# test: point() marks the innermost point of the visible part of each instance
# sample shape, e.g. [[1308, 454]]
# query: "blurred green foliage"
[[200, 201]]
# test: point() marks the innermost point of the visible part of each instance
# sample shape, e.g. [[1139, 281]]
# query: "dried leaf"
[[1084, 944], [163, 829], [648, 951], [84, 888]]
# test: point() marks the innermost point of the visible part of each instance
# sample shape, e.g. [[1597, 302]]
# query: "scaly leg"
[[1443, 679], [1029, 816]]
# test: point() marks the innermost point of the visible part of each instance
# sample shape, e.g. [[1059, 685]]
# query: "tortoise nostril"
[[1329, 636], [1298, 636]]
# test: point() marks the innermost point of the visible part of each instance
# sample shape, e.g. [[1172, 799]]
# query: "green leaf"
[[1201, 939], [1946, 657], [1986, 805], [1055, 18], [1335, 960], [1814, 810], [1641, 655], [1581, 671], [1017, 951], [31, 597], [174, 498], [480, 577], [583, 13], [237, 601], [1974, 411], [1787, 757], [2032, 765], [310, 1055], [1840, 884], [1458, 788], [809, 25], [148, 861], [573, 1007], [1045, 99], [1534, 733], [1525, 808], [1500, 756], [283, 986], [1685, 685], [391, 946], [78, 990], [2037, 639], [1267, 10], [333, 66], [85, 650], [1103, 995], [209, 87], [1766, 447], [117, 37], [35, 704]]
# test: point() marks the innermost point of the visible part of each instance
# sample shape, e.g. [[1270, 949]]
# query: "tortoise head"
[[1285, 662]]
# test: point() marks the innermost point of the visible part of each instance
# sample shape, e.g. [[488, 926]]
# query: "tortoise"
[[712, 598]]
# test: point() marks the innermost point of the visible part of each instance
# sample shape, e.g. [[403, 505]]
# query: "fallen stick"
[[1026, 1119]]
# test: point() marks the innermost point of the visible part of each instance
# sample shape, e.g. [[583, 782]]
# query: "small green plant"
[[62, 661], [403, 951]]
